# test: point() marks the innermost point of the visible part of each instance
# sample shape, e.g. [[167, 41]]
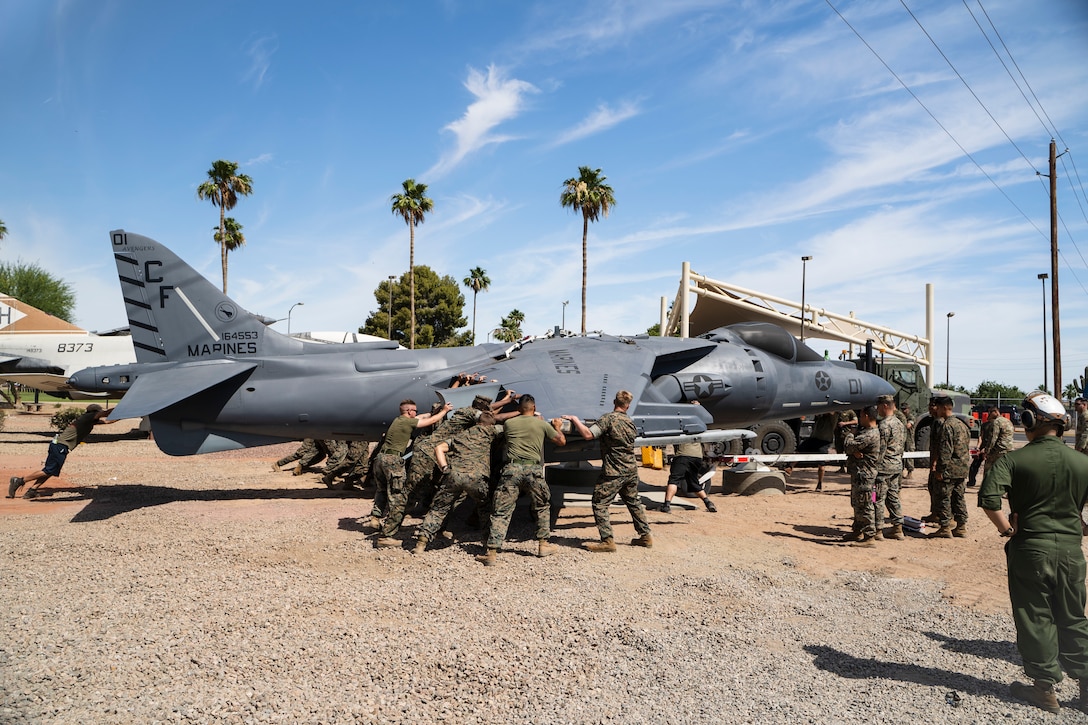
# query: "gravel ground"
[[209, 589]]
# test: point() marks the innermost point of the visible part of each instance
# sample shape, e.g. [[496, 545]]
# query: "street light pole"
[[948, 346], [1043, 278], [563, 326], [289, 316], [804, 265], [391, 278]]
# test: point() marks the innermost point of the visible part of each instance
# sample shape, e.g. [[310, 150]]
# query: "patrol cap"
[[941, 399], [94, 408], [885, 400]]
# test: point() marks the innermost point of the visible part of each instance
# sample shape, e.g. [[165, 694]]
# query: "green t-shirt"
[[74, 433], [525, 436], [1047, 485], [399, 434]]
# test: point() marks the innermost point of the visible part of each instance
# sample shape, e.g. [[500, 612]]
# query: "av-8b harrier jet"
[[213, 377]]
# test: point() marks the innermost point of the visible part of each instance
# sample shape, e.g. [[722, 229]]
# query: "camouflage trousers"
[[518, 478], [309, 453], [423, 478], [951, 501], [626, 485], [451, 492], [887, 496], [388, 480], [420, 468], [863, 499]]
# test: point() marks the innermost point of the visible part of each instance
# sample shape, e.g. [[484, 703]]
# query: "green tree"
[[592, 197], [31, 284], [223, 187], [234, 237], [1071, 391], [3, 229], [990, 389], [654, 330], [413, 206], [509, 329], [477, 281], [439, 310]]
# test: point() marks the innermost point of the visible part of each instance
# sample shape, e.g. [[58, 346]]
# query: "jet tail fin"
[[175, 314], [18, 317]]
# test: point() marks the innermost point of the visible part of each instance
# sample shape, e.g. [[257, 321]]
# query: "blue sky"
[[737, 135]]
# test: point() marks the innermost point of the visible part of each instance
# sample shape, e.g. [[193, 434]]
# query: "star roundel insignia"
[[823, 380]]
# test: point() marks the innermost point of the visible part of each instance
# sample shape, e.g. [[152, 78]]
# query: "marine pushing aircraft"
[[40, 351], [212, 377]]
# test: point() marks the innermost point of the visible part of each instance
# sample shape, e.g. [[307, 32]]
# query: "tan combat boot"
[[543, 548], [644, 540], [879, 535], [896, 532], [386, 542], [599, 546], [297, 470], [421, 544], [1041, 694], [960, 532], [945, 532], [866, 542], [276, 467], [491, 558]]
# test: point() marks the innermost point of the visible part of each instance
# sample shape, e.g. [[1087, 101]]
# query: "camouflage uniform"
[[908, 439], [423, 480], [619, 473], [389, 473], [351, 464], [523, 473], [1081, 442], [844, 416], [953, 459], [933, 486], [308, 454], [892, 441], [996, 440], [469, 459], [863, 471]]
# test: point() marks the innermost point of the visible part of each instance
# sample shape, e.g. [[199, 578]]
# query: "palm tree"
[[413, 206], [593, 198], [478, 281], [3, 229], [232, 240], [223, 187]]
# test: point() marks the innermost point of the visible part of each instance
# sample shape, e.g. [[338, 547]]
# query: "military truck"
[[781, 436]]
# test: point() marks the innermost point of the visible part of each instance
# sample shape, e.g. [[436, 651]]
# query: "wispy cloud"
[[602, 119], [498, 99], [260, 52], [258, 160]]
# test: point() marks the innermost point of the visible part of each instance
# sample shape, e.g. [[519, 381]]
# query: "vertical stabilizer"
[[175, 314], [19, 318]]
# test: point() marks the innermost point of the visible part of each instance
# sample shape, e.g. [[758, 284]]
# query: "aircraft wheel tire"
[[734, 447], [767, 483], [774, 438]]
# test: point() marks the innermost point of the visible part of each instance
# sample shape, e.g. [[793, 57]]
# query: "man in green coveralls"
[[1047, 485], [524, 472], [619, 473]]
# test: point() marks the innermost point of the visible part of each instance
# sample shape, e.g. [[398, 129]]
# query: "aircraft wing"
[[154, 391]]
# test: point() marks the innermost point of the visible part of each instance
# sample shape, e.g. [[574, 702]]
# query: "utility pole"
[[1054, 270]]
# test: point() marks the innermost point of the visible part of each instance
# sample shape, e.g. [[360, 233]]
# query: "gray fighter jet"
[[212, 377]]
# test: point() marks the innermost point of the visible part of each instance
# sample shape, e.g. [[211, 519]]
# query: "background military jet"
[[212, 377], [41, 351]]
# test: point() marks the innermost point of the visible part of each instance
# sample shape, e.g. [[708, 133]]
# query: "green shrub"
[[62, 418]]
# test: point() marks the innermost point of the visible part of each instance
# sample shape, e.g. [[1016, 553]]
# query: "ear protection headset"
[[1041, 408]]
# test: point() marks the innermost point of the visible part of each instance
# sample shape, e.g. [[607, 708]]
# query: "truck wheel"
[[725, 448], [921, 439], [774, 438]]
